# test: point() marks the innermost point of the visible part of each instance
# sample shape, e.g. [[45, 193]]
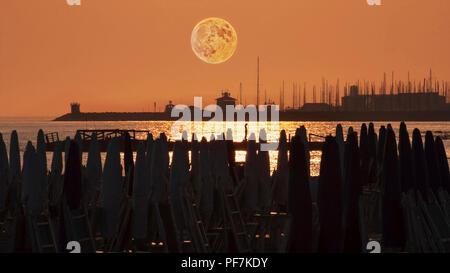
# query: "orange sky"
[[115, 55]]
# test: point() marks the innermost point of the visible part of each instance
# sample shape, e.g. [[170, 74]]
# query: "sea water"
[[27, 129]]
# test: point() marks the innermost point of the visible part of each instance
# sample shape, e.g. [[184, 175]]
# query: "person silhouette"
[[246, 131]]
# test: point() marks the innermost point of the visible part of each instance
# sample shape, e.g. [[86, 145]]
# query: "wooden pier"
[[104, 136]]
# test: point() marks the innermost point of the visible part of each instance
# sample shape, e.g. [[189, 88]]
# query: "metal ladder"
[[236, 222], [174, 242], [79, 229], [198, 232], [43, 234]]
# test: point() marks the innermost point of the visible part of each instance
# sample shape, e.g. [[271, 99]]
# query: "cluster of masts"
[[329, 93]]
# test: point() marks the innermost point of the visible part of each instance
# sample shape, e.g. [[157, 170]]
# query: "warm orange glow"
[[113, 55]]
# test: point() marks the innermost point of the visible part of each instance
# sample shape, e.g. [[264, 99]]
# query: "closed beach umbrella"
[[41, 149], [250, 196], [56, 178], [66, 150], [179, 171], [341, 145], [41, 152], [4, 172], [263, 167], [15, 166], [159, 169], [140, 195], [281, 174], [111, 189], [372, 135], [303, 137], [79, 142], [207, 186], [72, 178], [128, 163], [392, 213], [300, 204], [443, 164], [405, 159], [364, 153], [231, 151], [93, 169], [381, 142], [372, 147], [57, 164], [221, 169], [195, 168], [14, 154], [432, 164], [330, 203], [31, 176], [352, 192], [419, 164]]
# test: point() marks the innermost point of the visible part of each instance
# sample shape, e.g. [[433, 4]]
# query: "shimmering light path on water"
[[27, 129]]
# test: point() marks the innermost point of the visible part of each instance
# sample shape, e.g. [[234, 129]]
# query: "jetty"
[[103, 136]]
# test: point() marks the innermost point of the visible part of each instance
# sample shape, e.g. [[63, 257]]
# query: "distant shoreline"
[[283, 116]]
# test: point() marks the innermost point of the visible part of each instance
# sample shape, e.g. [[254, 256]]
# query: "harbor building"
[[75, 108], [225, 100], [408, 101]]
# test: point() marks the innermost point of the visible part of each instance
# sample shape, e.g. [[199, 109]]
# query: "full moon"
[[214, 40]]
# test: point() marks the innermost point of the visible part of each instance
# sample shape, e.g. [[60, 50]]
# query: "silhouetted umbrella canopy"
[[341, 145], [14, 154], [41, 153], [140, 195], [93, 168], [57, 164], [15, 167], [128, 163], [349, 131], [220, 168], [179, 171], [41, 150], [419, 164], [393, 228], [300, 206], [72, 178], [381, 143], [66, 150], [330, 203], [442, 164], [405, 159], [372, 138], [195, 168], [281, 174], [148, 160], [231, 151], [79, 142], [32, 172], [432, 164], [263, 167], [159, 169], [364, 153], [207, 186], [352, 190], [250, 195], [56, 180], [4, 172], [304, 138], [111, 193], [372, 147]]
